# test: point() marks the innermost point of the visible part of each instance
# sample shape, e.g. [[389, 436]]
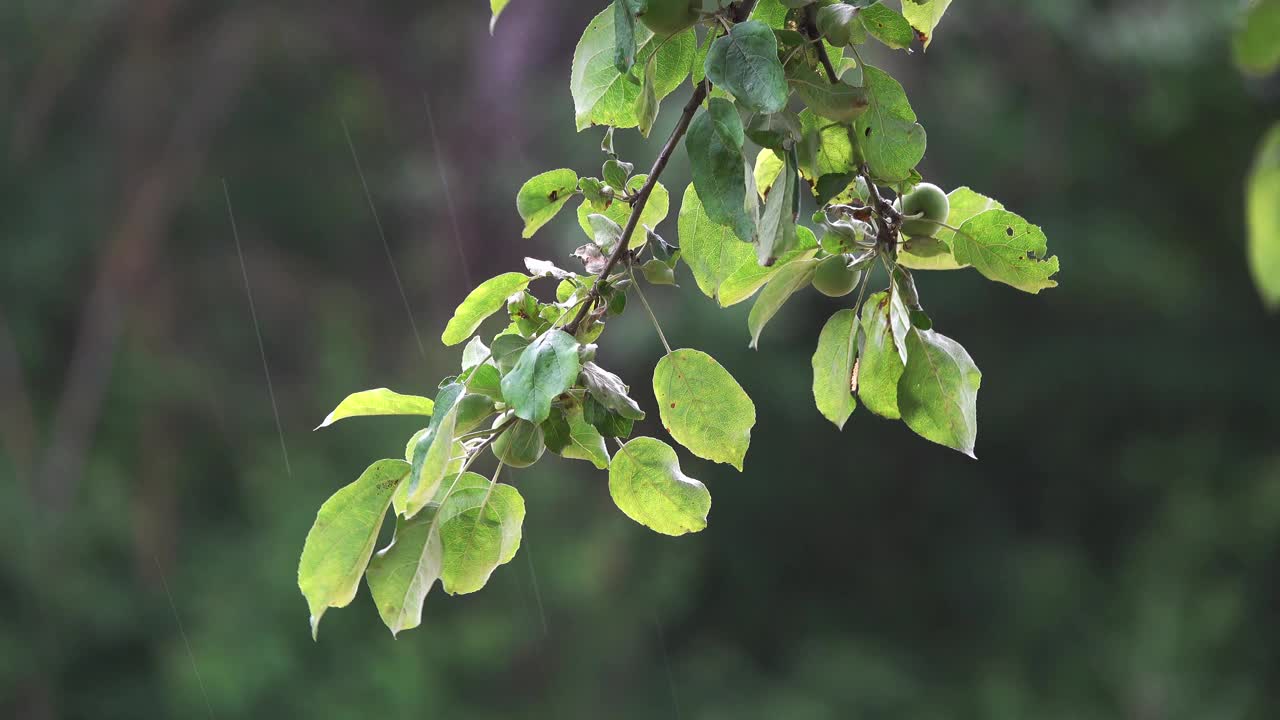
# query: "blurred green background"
[[1114, 553]]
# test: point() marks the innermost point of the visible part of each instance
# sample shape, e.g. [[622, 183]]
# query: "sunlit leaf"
[[647, 485], [703, 407], [341, 541], [1262, 197], [1006, 248], [604, 96], [379, 401], [542, 196], [879, 363], [833, 367], [487, 299], [791, 278], [891, 139], [938, 391]]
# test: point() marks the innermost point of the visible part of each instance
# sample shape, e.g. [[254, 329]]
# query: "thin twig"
[[740, 12], [811, 29], [642, 199]]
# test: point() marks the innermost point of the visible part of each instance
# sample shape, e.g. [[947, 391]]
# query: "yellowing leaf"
[[647, 485], [487, 299], [341, 540], [703, 407], [379, 401]]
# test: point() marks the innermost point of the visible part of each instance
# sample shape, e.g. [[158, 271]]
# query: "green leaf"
[[833, 364], [1262, 218], [542, 196], [777, 233], [711, 251], [965, 203], [604, 96], [379, 401], [624, 37], [790, 279], [548, 367], [1006, 248], [879, 364], [607, 422], [480, 529], [703, 407], [647, 101], [434, 451], [604, 232], [341, 541], [938, 391], [840, 101], [888, 25], [569, 435], [714, 143], [751, 275], [647, 485], [609, 390], [776, 131], [768, 167], [924, 16], [507, 350], [745, 63], [834, 22], [401, 574], [1256, 45], [832, 150], [496, 7], [655, 211], [487, 299], [891, 139]]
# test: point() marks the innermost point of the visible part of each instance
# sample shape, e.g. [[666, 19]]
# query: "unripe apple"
[[666, 17], [520, 445], [928, 201], [834, 278]]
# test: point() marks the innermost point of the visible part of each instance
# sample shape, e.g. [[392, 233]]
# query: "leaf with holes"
[[703, 407], [542, 197], [891, 139], [1007, 249]]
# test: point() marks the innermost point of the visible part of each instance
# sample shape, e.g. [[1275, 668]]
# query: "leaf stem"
[[652, 317]]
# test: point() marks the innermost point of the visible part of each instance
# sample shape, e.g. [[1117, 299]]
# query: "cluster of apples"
[[923, 209]]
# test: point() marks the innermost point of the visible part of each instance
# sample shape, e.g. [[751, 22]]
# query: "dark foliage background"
[[1112, 555]]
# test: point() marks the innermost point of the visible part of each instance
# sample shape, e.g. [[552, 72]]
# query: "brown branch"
[[642, 199], [739, 12], [811, 29]]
